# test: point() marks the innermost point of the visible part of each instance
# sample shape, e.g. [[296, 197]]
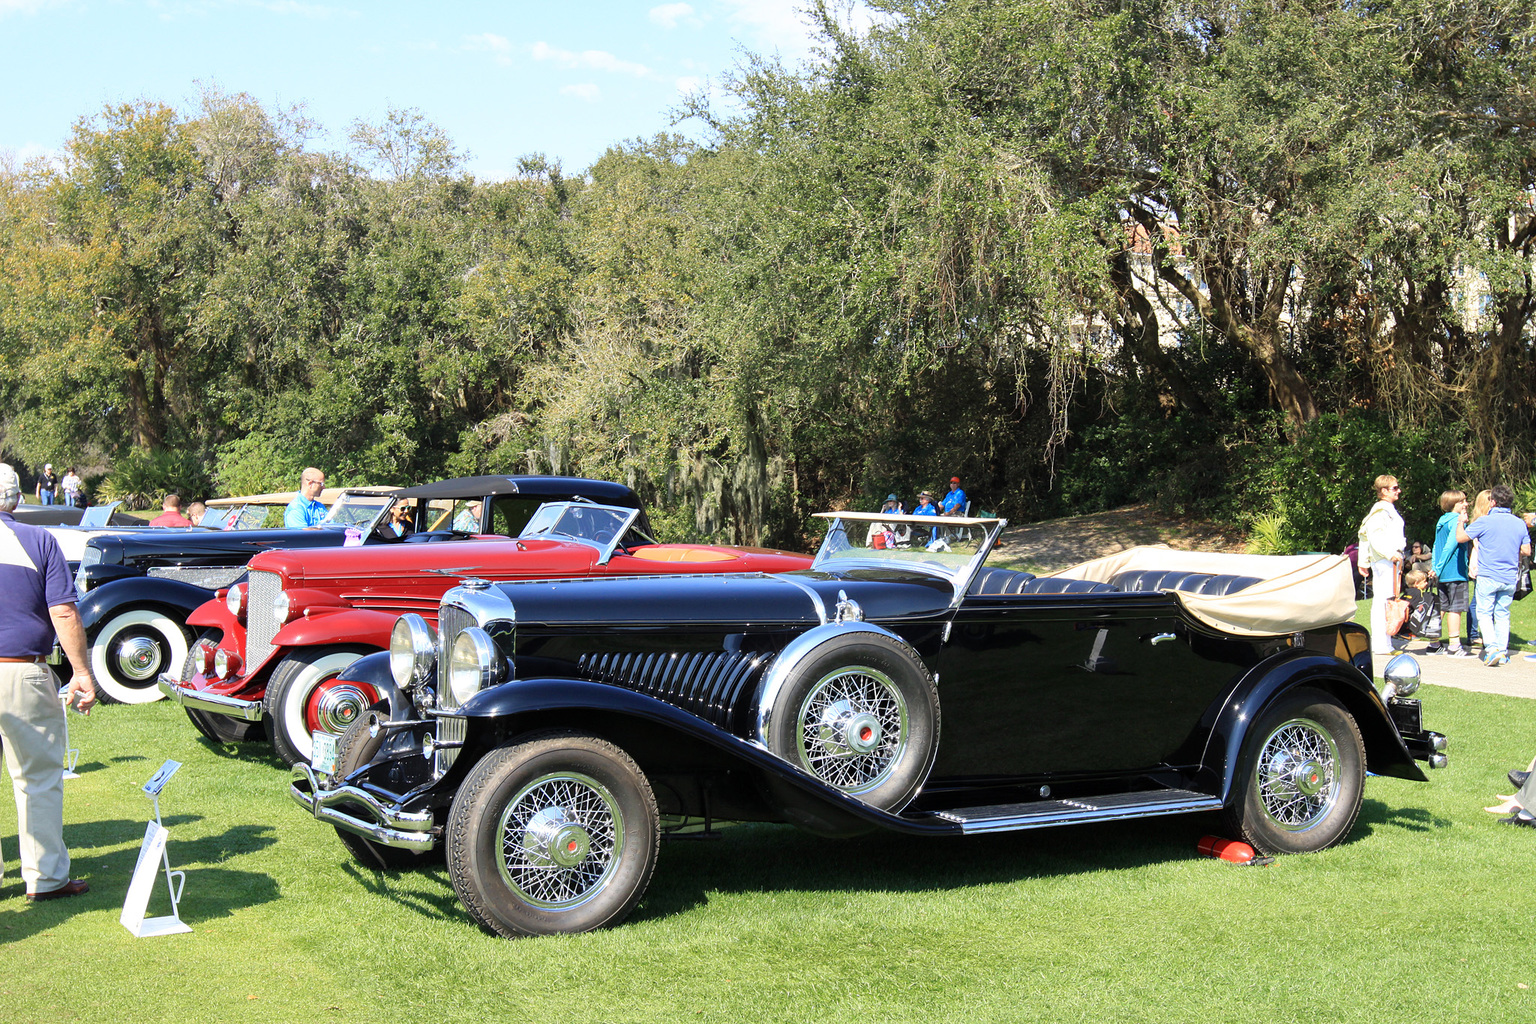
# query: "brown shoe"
[[73, 887]]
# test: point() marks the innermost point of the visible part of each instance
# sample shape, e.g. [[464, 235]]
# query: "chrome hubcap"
[[854, 729], [138, 657], [561, 837], [1297, 775], [338, 706]]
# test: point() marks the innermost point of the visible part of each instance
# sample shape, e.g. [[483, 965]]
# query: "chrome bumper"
[[390, 826], [186, 696]]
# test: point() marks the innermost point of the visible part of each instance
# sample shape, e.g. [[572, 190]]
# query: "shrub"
[[145, 476], [1319, 484]]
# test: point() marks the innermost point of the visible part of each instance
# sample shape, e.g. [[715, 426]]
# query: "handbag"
[[1523, 578], [1397, 607]]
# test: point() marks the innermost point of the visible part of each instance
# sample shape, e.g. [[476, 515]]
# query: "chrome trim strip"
[[821, 606], [406, 830], [796, 651], [187, 697]]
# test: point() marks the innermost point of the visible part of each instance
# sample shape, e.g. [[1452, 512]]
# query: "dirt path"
[[1062, 542]]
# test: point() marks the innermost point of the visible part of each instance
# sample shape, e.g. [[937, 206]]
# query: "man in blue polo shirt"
[[305, 509], [1501, 538], [39, 603]]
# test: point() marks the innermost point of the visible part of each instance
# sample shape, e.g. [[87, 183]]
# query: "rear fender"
[[176, 599], [1385, 752]]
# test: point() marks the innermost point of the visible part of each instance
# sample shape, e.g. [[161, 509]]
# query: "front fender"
[[373, 669], [352, 625], [1385, 752], [638, 722], [176, 598], [215, 614]]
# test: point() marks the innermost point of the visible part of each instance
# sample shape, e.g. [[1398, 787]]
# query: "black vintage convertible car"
[[547, 734], [136, 590]]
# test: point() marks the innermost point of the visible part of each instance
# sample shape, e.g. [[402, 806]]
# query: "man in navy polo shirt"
[[39, 603], [1501, 538]]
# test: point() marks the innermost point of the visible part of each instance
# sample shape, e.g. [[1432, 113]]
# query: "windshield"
[[947, 546], [355, 510], [599, 525]]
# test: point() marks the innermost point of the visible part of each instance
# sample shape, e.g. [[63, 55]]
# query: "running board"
[[1043, 813]]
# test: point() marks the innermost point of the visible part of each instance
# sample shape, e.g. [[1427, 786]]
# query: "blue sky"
[[503, 79]]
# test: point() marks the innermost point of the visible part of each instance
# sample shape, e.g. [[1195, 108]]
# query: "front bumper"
[[218, 703], [385, 822]]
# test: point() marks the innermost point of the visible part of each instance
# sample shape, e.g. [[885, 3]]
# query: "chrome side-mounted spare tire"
[[552, 833], [1302, 776], [853, 705]]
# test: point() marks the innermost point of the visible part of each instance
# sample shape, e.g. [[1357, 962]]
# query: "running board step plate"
[[1043, 813]]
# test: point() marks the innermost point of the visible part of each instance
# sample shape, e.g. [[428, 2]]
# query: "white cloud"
[[668, 15], [499, 47], [585, 91], [780, 25], [589, 60]]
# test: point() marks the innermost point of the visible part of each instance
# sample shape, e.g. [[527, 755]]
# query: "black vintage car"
[[547, 734], [137, 589]]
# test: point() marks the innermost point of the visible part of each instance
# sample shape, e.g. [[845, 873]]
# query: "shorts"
[[1453, 596]]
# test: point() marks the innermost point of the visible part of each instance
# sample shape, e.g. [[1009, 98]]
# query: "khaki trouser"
[[32, 726]]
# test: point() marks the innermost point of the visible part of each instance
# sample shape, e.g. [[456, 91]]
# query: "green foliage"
[[1267, 536], [143, 477], [256, 464], [1320, 486]]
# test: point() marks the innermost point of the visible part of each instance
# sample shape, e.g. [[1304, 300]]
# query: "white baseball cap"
[[10, 483]]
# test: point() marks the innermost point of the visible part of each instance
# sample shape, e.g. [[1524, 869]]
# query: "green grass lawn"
[[1421, 915]]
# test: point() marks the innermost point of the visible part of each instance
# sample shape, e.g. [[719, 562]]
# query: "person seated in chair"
[[955, 502]]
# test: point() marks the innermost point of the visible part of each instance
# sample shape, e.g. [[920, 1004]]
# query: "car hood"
[[756, 600]]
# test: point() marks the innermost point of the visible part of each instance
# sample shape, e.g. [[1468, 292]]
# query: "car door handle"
[[1162, 638]]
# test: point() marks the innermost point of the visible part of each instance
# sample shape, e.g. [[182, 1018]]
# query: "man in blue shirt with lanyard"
[[305, 509], [39, 603]]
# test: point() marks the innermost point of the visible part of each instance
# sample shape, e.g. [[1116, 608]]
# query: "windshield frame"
[[547, 518], [837, 553]]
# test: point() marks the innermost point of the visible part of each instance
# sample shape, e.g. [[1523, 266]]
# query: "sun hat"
[[891, 497], [925, 494], [954, 479]]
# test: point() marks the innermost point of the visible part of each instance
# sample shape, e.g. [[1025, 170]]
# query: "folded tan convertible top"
[[1295, 592]]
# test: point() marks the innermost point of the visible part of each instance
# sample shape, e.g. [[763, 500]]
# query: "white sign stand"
[[71, 754], [143, 880]]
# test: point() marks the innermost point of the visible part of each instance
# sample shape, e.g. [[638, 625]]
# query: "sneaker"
[[1493, 659], [1530, 657], [1504, 658], [1433, 649], [1458, 652]]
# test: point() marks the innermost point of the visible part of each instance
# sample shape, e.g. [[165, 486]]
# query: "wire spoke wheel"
[[1297, 774], [1301, 779], [552, 833], [561, 837], [853, 728]]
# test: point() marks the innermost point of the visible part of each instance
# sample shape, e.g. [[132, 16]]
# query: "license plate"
[[323, 756]]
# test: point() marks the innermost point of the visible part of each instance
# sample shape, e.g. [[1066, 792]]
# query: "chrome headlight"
[[474, 664], [412, 651], [234, 600], [226, 664], [282, 606], [1402, 676]]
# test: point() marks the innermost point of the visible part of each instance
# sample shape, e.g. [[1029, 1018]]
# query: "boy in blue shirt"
[[1451, 560]]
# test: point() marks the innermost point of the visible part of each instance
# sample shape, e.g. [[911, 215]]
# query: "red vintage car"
[[273, 645]]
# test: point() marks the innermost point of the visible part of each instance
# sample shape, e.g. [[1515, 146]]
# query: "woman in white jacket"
[[1382, 541]]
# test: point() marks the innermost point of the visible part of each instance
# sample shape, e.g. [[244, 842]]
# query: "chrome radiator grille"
[[260, 620], [451, 621], [451, 730], [709, 684], [209, 577]]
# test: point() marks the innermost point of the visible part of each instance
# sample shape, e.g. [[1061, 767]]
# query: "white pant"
[[32, 726], [1383, 578]]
